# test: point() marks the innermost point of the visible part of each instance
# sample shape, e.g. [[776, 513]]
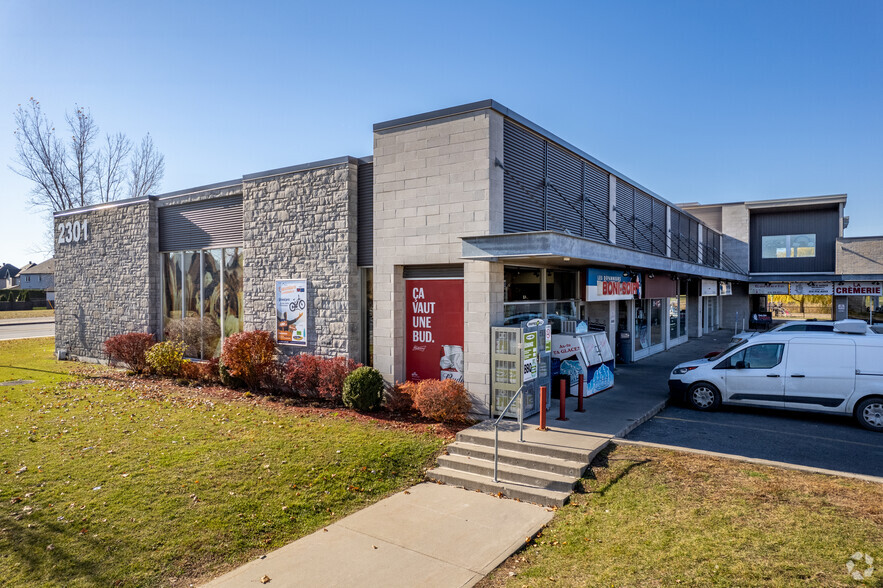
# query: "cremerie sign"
[[611, 284], [858, 289]]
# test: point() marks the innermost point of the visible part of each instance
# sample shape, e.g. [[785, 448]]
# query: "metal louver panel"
[[677, 247], [564, 196], [644, 222], [433, 271], [694, 241], [659, 227], [365, 232], [596, 188], [199, 225], [625, 214], [523, 156]]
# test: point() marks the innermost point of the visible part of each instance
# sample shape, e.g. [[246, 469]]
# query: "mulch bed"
[[166, 388]]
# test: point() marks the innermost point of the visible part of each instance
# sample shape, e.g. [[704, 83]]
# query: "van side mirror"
[[740, 365]]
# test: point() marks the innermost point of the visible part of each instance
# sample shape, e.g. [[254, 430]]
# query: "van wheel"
[[702, 396], [869, 413]]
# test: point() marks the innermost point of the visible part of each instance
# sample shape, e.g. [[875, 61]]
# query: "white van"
[[837, 373]]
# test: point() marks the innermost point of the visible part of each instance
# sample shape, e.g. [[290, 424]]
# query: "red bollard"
[[563, 400], [579, 403], [542, 408]]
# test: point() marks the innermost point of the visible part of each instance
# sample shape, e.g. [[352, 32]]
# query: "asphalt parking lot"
[[26, 328], [821, 441]]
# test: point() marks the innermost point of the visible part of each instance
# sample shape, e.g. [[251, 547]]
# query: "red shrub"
[[442, 400], [302, 373], [334, 372], [312, 375], [248, 356], [204, 372], [398, 398], [129, 349]]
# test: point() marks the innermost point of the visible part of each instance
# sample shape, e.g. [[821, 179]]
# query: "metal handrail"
[[497, 427]]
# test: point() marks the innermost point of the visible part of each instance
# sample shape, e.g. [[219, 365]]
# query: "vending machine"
[[521, 357], [587, 354]]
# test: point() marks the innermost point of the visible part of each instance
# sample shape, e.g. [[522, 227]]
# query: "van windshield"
[[733, 345]]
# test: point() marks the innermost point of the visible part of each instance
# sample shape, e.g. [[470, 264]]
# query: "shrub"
[[166, 357], [312, 375], [129, 349], [228, 379], [248, 356], [363, 389], [442, 400], [398, 398], [302, 373], [333, 374]]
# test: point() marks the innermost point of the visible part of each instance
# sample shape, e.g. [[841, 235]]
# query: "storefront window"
[[673, 318], [682, 311], [561, 285], [524, 296], [201, 292], [522, 284], [866, 308], [656, 321], [778, 246], [558, 312], [517, 313], [642, 334]]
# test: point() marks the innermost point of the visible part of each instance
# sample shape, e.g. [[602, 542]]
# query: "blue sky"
[[698, 101]]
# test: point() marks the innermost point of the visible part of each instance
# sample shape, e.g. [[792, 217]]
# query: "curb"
[[640, 421], [3, 324], [755, 460]]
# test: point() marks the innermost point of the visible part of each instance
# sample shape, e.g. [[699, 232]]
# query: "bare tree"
[[81, 162], [68, 175], [42, 158], [110, 167], [147, 169]]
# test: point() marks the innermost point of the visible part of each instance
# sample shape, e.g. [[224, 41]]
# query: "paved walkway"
[[433, 535]]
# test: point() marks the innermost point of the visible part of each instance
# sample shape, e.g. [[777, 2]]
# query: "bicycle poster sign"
[[291, 312]]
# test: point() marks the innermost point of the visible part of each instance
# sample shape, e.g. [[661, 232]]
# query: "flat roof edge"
[[102, 206], [301, 167], [198, 189]]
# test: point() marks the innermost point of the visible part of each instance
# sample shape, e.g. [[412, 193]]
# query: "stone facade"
[[108, 283], [302, 225], [435, 182]]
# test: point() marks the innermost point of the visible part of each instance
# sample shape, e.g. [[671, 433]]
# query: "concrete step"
[[538, 449], [508, 473], [541, 463], [486, 484]]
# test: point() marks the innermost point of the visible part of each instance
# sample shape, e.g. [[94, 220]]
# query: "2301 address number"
[[73, 232]]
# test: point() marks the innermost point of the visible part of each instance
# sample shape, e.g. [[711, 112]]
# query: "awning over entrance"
[[561, 249]]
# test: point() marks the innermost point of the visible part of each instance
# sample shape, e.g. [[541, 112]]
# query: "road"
[[822, 441], [19, 329]]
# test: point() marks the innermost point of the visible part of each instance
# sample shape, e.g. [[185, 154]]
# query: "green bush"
[[363, 389], [166, 357], [228, 379]]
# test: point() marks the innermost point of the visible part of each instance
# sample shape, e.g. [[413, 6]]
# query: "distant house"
[[37, 276], [8, 272]]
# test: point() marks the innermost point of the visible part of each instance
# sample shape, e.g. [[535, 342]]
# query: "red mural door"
[[434, 329]]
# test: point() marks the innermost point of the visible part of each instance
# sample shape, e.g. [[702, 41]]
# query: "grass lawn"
[[151, 484], [650, 517], [19, 314]]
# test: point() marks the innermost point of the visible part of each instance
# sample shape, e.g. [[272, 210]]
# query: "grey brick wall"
[[108, 284], [860, 256], [302, 225]]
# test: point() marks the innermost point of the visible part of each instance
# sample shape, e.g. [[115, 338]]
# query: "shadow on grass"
[[30, 369], [603, 461]]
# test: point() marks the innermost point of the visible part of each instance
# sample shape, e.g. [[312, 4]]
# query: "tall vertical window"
[[202, 298]]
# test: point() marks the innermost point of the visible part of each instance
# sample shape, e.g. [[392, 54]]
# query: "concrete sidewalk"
[[443, 536], [429, 535]]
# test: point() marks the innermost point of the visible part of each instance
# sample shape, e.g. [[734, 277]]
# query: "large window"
[[202, 298], [780, 246], [541, 293]]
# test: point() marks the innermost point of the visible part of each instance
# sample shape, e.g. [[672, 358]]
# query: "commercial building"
[[464, 219]]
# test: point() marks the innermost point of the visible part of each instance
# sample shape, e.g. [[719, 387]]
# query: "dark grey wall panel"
[[596, 188], [365, 234], [625, 215], [644, 222], [659, 227], [523, 190], [433, 271], [198, 225], [564, 195], [824, 224]]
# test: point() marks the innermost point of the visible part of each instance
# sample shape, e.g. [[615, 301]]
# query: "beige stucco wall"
[[435, 182]]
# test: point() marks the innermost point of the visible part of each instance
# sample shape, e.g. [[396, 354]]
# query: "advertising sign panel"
[[858, 289], [611, 284], [768, 288], [726, 289], [812, 288], [291, 312], [709, 288], [531, 363], [434, 329]]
